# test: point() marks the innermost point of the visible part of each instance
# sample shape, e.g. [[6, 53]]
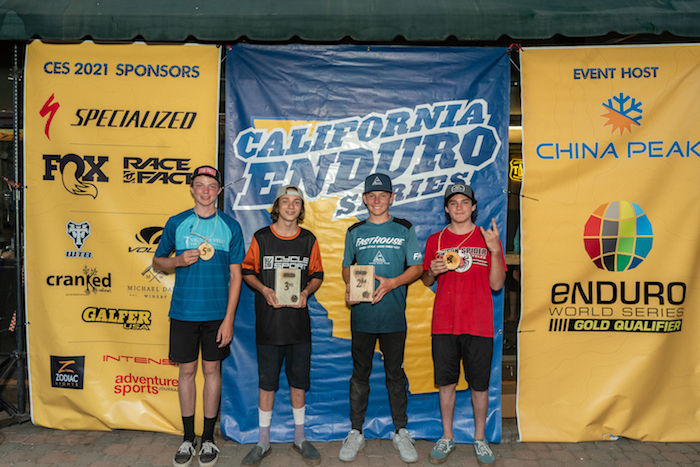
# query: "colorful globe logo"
[[618, 236]]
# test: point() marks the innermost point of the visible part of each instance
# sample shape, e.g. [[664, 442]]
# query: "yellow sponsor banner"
[[611, 239], [112, 133]]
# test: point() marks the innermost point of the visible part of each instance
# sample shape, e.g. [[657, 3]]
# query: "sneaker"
[[483, 451], [404, 444], [352, 444], [308, 452], [208, 455], [442, 449], [256, 455], [185, 454]]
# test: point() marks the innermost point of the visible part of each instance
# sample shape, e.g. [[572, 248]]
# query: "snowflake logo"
[[622, 113]]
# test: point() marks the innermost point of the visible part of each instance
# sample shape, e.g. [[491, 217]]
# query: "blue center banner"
[[324, 118]]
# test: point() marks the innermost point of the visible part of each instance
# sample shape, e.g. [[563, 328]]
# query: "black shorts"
[[187, 336], [297, 365], [474, 352]]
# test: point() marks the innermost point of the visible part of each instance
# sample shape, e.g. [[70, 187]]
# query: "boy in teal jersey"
[[208, 252], [391, 246]]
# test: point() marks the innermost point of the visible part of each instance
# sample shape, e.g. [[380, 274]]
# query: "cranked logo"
[[87, 283], [421, 149], [67, 372], [78, 232]]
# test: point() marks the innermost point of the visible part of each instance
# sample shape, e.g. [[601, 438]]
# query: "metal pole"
[[19, 240]]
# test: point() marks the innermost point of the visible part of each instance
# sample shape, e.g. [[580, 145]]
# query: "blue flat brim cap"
[[378, 182]]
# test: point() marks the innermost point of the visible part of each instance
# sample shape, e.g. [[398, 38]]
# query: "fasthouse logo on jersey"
[[421, 149], [397, 241]]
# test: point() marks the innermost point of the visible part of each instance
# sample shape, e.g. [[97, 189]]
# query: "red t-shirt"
[[463, 303]]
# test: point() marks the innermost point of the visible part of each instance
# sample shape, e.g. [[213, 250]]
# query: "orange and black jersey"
[[268, 252]]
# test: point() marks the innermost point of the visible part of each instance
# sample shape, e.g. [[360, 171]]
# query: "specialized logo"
[[622, 112], [618, 236], [169, 170], [67, 372], [91, 282], [76, 172], [78, 232], [148, 237], [50, 108], [422, 150], [139, 320]]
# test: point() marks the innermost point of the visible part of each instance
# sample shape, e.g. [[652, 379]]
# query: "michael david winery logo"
[[67, 372], [618, 236], [78, 233]]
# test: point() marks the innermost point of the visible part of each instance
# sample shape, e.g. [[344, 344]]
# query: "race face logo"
[[50, 108], [76, 172], [622, 112], [67, 372], [149, 238], [155, 170], [618, 236]]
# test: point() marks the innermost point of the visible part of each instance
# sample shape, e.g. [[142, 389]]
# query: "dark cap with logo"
[[459, 189], [378, 182], [209, 171]]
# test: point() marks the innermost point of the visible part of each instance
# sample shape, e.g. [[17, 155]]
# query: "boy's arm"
[[225, 332]]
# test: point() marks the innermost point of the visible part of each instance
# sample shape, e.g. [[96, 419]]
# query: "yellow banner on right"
[[609, 341]]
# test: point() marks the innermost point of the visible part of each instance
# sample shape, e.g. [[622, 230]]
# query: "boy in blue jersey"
[[208, 252], [391, 246]]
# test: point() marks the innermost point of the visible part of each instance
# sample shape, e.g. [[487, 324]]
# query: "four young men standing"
[[466, 261]]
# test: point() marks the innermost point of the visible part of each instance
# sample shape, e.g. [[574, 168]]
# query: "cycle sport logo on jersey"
[[618, 236], [622, 113]]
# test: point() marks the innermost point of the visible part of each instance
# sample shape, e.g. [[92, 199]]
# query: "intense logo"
[[67, 372], [618, 236], [623, 112], [73, 172]]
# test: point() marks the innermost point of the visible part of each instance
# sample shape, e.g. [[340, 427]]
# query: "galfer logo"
[[76, 172], [623, 112], [420, 149], [618, 236], [78, 232], [138, 320], [148, 237], [67, 372]]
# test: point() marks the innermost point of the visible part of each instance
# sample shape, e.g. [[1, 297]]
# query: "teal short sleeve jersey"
[[201, 289], [390, 247]]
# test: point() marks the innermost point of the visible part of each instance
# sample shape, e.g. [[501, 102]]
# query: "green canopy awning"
[[333, 20]]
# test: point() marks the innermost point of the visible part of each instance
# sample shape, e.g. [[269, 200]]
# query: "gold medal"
[[452, 260], [206, 251]]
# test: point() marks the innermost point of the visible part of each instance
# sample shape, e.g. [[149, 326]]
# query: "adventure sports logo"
[[622, 112], [421, 149], [67, 372], [78, 233], [618, 236]]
